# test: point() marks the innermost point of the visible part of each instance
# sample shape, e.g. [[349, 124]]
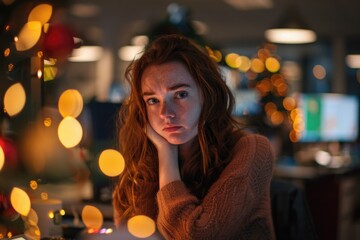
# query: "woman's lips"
[[171, 129]]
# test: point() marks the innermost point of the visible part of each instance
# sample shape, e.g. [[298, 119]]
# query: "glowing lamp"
[[14, 99], [111, 162], [20, 201], [29, 35], [41, 13], [70, 132], [70, 103], [141, 226], [92, 217], [291, 29]]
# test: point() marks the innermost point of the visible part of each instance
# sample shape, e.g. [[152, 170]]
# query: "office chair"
[[291, 214]]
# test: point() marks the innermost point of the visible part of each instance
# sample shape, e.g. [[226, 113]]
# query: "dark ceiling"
[[118, 20]]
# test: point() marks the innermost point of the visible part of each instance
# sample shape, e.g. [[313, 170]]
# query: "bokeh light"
[[111, 162], [257, 65], [33, 184], [70, 103], [20, 201], [32, 217], [70, 132], [2, 158], [41, 13], [14, 99], [92, 217], [29, 35], [245, 63], [272, 64], [141, 226], [319, 72]]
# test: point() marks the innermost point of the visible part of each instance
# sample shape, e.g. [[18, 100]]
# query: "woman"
[[189, 166]]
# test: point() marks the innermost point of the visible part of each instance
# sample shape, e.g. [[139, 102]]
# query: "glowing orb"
[[92, 217], [70, 132], [32, 218], [272, 64], [20, 201], [111, 162], [70, 103], [14, 99], [141, 226], [2, 158], [29, 35], [41, 13]]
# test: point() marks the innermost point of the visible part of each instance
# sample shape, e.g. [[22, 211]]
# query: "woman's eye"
[[151, 101], [182, 94]]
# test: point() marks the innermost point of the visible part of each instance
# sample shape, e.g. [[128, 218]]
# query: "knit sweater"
[[237, 205]]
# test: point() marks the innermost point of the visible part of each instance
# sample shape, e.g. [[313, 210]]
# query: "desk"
[[333, 196]]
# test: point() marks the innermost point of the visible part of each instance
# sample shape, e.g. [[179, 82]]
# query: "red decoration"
[[58, 41]]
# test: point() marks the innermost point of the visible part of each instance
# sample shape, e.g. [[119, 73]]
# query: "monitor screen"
[[329, 117], [247, 102]]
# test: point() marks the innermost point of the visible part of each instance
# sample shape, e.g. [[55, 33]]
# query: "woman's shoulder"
[[252, 141], [251, 149]]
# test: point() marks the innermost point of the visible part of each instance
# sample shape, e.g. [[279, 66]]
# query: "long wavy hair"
[[138, 184]]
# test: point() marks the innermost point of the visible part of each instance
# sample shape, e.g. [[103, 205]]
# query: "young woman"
[[189, 165]]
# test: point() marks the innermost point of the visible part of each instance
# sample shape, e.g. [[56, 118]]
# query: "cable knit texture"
[[237, 205]]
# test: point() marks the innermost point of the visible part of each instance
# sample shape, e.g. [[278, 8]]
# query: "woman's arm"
[[168, 158], [236, 204]]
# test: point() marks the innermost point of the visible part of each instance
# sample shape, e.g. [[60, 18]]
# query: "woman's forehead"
[[166, 75]]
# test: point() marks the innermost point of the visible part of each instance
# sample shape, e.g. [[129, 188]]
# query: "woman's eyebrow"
[[171, 88], [179, 85]]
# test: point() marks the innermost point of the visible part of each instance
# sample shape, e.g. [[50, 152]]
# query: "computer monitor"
[[329, 117]]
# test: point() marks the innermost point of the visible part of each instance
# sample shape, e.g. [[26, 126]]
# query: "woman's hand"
[[168, 157], [156, 138]]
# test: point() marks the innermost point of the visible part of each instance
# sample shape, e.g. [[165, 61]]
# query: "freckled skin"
[[173, 102]]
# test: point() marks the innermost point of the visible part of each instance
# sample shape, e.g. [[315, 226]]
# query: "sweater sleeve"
[[233, 203]]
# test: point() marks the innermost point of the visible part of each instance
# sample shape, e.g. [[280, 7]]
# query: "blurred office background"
[[301, 93]]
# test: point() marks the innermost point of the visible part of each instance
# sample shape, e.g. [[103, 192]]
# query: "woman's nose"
[[167, 110]]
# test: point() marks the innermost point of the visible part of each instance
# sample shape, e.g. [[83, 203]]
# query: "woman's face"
[[173, 101]]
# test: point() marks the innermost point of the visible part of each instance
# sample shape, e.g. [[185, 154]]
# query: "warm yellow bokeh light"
[[62, 212], [92, 217], [33, 184], [7, 52], [289, 103], [29, 35], [41, 13], [257, 65], [70, 103], [245, 63], [272, 64], [20, 201], [2, 158], [141, 226], [111, 162], [14, 99], [70, 132], [44, 196], [231, 60], [319, 72], [32, 217]]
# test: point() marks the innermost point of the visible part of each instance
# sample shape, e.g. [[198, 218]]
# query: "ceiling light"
[[291, 29], [250, 4], [130, 52], [353, 60], [86, 54]]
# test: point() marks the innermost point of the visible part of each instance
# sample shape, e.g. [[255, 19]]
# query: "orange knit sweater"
[[237, 205]]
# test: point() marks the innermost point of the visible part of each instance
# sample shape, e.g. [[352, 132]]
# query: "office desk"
[[333, 196]]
